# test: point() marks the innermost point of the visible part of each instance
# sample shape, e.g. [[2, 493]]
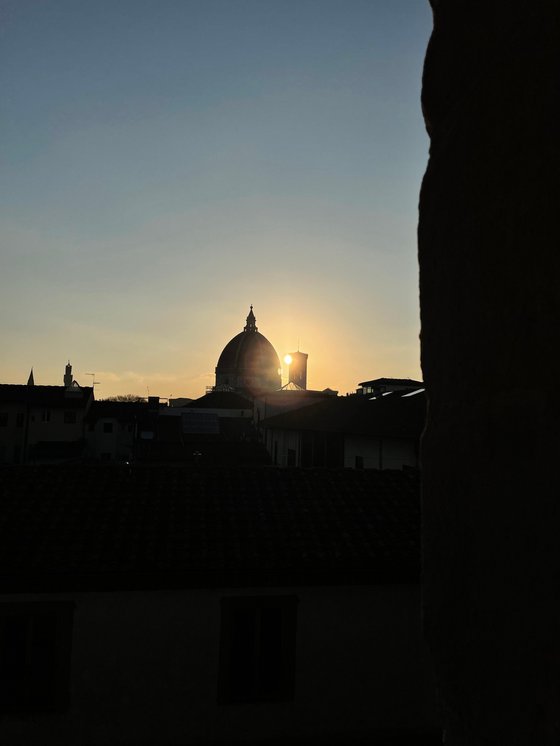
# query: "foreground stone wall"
[[489, 247]]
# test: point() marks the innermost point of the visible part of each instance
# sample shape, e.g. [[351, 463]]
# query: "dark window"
[[105, 457], [70, 417], [334, 451], [257, 649], [46, 415], [291, 457], [3, 419], [107, 427], [20, 419], [35, 641], [307, 449], [359, 462]]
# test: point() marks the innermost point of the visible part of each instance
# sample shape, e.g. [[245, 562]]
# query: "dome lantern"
[[251, 322]]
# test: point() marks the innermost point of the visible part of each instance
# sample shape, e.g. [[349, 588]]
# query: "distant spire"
[[251, 322], [68, 378], [30, 380]]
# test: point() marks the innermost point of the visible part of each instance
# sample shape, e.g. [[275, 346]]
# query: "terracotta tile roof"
[[156, 527]]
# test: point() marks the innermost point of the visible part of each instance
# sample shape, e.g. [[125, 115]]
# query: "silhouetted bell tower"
[[68, 375], [297, 369]]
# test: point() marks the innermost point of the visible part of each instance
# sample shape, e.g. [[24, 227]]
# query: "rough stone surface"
[[489, 247]]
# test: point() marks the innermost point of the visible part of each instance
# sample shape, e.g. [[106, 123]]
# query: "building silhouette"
[[248, 363], [43, 424], [153, 605], [297, 369]]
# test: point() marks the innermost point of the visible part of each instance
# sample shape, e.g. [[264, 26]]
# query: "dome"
[[249, 362]]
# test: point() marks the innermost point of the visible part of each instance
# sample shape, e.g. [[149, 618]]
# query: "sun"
[[288, 359]]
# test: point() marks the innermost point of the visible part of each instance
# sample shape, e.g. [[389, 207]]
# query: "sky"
[[166, 163]]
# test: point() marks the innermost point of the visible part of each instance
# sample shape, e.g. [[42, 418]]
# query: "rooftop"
[[221, 400], [392, 415], [45, 396], [392, 382], [104, 528]]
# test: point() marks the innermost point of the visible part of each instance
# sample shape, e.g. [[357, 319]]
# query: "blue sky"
[[165, 164]]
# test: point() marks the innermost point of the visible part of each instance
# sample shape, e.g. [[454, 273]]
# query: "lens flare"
[[288, 359]]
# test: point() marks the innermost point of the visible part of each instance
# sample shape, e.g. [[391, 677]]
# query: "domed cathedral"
[[249, 362]]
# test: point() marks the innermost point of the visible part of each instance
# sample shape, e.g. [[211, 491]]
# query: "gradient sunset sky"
[[166, 163]]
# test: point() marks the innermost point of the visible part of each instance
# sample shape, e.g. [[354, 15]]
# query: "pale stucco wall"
[[279, 444], [36, 427], [145, 668], [385, 453]]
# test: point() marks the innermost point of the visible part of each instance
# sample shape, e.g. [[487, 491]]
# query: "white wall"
[[390, 453], [36, 428], [145, 669], [119, 443], [55, 429], [284, 440]]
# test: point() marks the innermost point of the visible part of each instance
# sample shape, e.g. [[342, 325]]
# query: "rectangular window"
[[359, 462], [107, 427], [46, 415], [257, 649], [70, 417], [3, 419], [291, 457], [20, 418], [35, 646]]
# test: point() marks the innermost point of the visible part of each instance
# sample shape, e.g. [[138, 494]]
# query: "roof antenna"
[[93, 381]]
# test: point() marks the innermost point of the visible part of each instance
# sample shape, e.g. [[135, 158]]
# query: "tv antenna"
[[93, 381]]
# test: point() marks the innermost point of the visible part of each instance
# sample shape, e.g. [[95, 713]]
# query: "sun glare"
[[287, 359]]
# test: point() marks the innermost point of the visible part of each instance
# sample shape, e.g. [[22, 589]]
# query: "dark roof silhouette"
[[388, 416], [66, 450], [71, 528], [221, 400], [124, 411], [45, 396], [392, 382]]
